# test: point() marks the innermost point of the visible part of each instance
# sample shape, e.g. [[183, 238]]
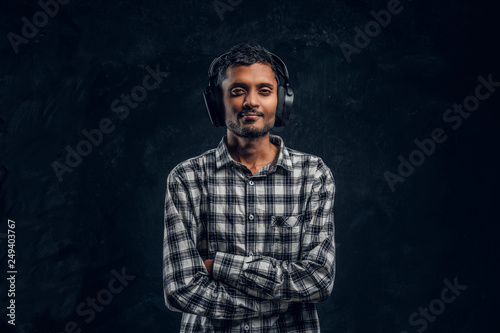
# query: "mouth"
[[250, 115]]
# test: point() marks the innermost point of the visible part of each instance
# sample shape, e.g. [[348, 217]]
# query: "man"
[[249, 229]]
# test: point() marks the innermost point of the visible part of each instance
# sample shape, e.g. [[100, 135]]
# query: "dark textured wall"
[[398, 248]]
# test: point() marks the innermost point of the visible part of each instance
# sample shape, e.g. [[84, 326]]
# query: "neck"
[[252, 152]]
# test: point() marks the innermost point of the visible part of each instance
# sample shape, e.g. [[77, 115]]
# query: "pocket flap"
[[285, 221]]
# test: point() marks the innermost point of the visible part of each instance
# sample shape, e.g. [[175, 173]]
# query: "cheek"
[[271, 105], [231, 103], [228, 106]]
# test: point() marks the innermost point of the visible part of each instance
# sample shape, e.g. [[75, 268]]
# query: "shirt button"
[[250, 217], [250, 254], [247, 327], [251, 182]]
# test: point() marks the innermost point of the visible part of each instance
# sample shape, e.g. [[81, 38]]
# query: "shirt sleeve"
[[186, 284], [309, 279]]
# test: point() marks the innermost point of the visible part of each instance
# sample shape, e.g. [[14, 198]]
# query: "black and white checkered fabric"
[[271, 236]]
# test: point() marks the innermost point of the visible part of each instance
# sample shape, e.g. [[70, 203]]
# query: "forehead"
[[253, 74]]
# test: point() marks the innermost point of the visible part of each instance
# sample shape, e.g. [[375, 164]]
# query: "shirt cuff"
[[227, 268]]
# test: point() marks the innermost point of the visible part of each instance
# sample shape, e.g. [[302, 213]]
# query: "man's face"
[[250, 100]]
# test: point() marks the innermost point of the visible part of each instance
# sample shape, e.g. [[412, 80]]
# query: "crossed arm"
[[236, 287]]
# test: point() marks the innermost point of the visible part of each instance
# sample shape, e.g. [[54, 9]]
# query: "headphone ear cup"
[[211, 104], [215, 107], [221, 117], [288, 102], [280, 108]]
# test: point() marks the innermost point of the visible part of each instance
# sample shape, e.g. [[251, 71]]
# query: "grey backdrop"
[[398, 248]]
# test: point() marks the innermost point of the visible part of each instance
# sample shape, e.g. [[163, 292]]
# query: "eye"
[[266, 92], [237, 91]]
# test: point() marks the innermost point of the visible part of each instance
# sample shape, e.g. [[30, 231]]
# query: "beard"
[[248, 131]]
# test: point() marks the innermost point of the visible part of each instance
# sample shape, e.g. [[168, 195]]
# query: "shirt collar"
[[223, 158]]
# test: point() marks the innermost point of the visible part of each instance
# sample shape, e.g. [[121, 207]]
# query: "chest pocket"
[[286, 239]]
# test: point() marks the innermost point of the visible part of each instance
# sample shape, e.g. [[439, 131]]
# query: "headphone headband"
[[275, 58]]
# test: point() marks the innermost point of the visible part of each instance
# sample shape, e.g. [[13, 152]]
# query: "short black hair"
[[244, 54]]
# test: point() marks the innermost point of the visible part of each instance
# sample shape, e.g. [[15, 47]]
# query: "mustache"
[[253, 112]]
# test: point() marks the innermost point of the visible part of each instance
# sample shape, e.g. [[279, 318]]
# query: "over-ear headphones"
[[215, 105]]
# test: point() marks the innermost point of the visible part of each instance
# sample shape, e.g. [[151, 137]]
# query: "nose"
[[251, 100]]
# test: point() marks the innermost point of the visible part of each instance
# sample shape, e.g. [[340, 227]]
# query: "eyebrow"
[[260, 85]]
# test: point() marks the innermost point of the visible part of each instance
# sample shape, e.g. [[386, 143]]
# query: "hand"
[[209, 264]]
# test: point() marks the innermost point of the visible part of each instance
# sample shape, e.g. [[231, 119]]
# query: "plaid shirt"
[[271, 236]]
